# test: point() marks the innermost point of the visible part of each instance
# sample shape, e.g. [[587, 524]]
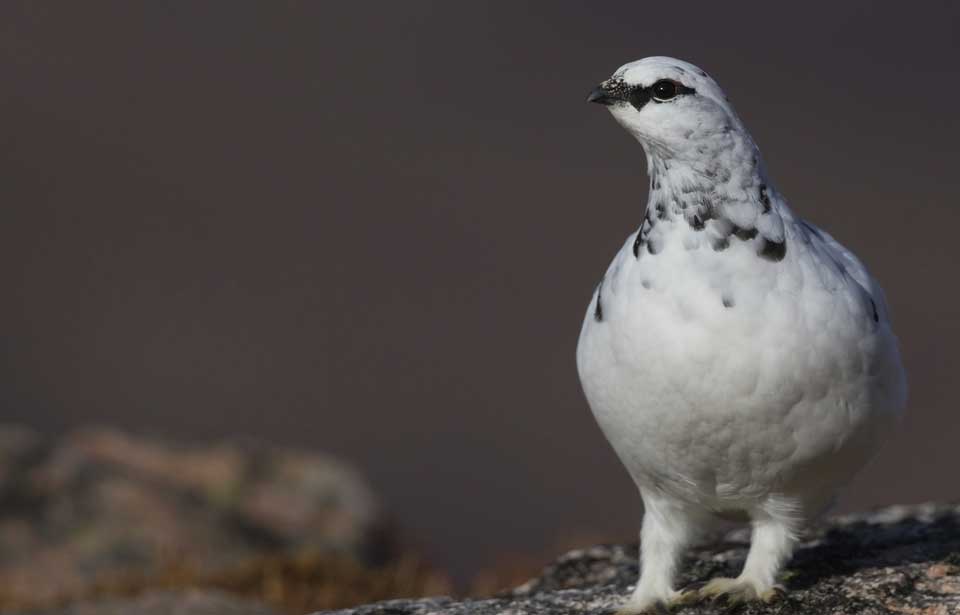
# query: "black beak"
[[601, 96]]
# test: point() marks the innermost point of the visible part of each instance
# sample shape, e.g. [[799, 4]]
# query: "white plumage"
[[740, 360]]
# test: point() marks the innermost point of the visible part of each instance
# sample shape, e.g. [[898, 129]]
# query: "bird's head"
[[672, 107]]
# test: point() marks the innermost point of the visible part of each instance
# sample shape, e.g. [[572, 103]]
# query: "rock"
[[101, 508], [903, 559], [165, 603]]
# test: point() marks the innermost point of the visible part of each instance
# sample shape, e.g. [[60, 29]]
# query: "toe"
[[688, 595], [735, 591], [718, 587], [696, 586], [777, 592]]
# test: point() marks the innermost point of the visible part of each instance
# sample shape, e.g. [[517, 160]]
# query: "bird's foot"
[[655, 606], [739, 590]]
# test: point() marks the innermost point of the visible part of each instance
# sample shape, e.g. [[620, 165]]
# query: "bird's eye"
[[664, 90]]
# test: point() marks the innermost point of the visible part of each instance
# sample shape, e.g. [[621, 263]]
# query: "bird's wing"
[[854, 269]]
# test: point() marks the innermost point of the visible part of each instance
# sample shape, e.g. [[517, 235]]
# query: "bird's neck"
[[720, 193]]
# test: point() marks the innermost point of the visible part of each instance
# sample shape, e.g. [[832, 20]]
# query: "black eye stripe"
[[638, 96]]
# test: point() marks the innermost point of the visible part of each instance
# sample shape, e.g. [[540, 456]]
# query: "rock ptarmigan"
[[740, 361]]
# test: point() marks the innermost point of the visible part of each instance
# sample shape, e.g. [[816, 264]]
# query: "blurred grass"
[[292, 584], [310, 580]]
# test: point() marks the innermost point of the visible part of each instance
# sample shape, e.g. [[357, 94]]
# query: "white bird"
[[740, 361]]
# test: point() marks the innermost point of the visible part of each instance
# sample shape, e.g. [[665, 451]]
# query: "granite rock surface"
[[903, 559]]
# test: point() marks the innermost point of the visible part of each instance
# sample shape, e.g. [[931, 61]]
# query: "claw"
[[777, 592], [688, 595], [734, 592]]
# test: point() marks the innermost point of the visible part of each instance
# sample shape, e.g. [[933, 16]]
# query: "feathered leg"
[[775, 528], [667, 529]]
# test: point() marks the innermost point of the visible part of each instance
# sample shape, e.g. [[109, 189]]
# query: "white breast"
[[722, 377]]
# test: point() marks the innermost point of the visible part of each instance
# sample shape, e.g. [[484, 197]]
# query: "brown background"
[[374, 229]]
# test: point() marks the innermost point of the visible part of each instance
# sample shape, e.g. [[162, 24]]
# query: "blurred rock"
[[191, 602], [100, 508], [903, 559]]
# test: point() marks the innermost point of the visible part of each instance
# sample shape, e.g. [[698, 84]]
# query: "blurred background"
[[371, 229]]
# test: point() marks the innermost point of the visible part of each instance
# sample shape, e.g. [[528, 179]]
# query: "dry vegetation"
[[294, 585]]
